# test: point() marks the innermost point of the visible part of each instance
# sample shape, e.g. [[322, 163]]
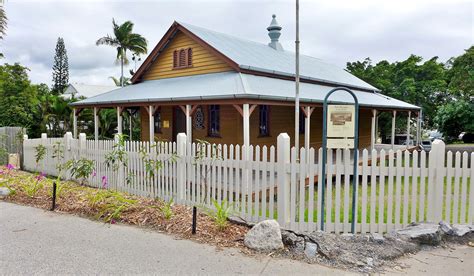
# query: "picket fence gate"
[[394, 188]]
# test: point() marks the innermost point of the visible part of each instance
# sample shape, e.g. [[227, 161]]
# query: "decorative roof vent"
[[274, 33]]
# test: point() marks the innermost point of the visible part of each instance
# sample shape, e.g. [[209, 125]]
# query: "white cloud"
[[337, 31]]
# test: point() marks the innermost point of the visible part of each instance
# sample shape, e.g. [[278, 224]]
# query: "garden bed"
[[117, 207]]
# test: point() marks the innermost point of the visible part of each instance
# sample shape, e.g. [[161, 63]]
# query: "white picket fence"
[[394, 188]]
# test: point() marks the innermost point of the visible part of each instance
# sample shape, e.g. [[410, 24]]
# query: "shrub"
[[166, 209], [221, 214], [81, 168]]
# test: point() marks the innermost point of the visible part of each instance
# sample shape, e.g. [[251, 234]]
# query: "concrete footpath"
[[34, 241]]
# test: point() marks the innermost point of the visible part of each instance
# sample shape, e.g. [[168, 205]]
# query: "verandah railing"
[[394, 188]]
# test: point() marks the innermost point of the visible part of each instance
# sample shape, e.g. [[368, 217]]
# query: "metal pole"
[[53, 205], [194, 226], [324, 157], [130, 124], [297, 78], [96, 124]]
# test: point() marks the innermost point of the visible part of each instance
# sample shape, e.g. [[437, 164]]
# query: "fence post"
[[283, 196], [120, 173], [82, 145], [437, 171], [22, 157], [181, 166], [67, 148]]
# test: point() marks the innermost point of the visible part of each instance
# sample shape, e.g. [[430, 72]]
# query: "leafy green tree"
[[18, 97], [124, 40], [60, 68], [420, 83], [455, 117], [461, 75]]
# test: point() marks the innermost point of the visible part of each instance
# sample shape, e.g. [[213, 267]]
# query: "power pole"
[[297, 79]]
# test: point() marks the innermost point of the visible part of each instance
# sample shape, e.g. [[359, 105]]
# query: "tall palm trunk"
[[121, 68]]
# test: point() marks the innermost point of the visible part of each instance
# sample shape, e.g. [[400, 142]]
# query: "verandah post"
[[283, 196], [181, 166]]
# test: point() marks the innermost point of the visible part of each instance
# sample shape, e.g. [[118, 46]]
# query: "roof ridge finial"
[[274, 33]]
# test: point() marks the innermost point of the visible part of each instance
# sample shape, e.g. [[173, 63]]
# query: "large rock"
[[423, 233], [4, 191], [446, 228], [264, 236], [310, 250], [460, 230]]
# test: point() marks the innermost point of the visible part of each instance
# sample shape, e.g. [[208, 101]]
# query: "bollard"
[[194, 220], [54, 197]]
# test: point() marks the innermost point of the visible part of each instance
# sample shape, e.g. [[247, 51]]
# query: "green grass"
[[401, 188]]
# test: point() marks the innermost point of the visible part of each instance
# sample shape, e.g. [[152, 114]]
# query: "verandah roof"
[[234, 85]]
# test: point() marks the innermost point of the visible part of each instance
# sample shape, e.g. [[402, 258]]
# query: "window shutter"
[[190, 57], [182, 58], [175, 59]]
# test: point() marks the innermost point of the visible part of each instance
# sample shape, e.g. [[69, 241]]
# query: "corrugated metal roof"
[[233, 85], [261, 57], [88, 90]]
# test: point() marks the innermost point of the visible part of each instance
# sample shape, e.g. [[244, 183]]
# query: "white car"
[[425, 145]]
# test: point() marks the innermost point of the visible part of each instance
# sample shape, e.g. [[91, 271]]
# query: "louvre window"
[[214, 120], [182, 58], [264, 120]]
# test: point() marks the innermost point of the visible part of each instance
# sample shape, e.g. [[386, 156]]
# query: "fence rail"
[[394, 188]]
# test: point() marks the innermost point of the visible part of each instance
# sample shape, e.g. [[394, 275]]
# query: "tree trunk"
[[121, 73]]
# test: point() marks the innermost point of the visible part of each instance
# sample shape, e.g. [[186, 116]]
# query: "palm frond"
[[107, 40], [3, 22]]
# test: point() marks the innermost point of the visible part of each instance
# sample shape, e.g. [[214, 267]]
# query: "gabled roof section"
[[257, 58]]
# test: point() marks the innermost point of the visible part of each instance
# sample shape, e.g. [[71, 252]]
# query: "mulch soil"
[[73, 199]]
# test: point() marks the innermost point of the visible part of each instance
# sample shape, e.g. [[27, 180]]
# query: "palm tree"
[[118, 81], [3, 22], [124, 40]]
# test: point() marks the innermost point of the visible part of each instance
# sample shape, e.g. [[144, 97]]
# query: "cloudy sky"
[[334, 30]]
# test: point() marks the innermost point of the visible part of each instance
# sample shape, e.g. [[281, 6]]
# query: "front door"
[[179, 122]]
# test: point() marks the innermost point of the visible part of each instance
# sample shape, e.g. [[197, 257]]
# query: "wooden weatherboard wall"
[[281, 120], [204, 61]]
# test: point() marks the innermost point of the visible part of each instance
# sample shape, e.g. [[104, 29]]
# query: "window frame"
[[214, 118], [264, 118]]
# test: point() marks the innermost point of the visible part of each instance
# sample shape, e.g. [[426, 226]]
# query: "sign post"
[[340, 130]]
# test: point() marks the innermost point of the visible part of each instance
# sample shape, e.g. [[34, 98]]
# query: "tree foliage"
[[429, 84], [60, 68], [124, 40], [455, 117]]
